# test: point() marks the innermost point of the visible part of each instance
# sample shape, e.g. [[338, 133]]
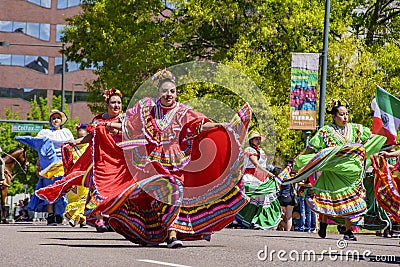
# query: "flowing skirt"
[[144, 206], [76, 205], [386, 187], [51, 170], [263, 211], [376, 217], [338, 192], [39, 205]]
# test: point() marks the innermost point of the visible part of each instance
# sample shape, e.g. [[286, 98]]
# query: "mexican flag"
[[386, 120]]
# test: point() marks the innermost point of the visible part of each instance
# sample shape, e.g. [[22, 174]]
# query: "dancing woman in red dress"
[[175, 176]]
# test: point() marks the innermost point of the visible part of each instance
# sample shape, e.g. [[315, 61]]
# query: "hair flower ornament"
[[160, 75], [334, 103], [81, 126], [109, 92]]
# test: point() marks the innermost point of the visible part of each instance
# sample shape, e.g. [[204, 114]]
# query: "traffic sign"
[[26, 128]]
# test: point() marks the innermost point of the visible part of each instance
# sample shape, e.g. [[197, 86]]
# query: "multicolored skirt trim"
[[386, 187], [292, 175], [200, 222], [145, 210], [348, 201]]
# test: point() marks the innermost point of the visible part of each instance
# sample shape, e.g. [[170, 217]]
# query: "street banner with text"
[[303, 91]]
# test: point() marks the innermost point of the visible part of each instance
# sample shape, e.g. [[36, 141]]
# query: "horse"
[[17, 156]]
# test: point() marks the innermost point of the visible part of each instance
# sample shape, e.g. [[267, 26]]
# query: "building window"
[[18, 60], [78, 96], [37, 63], [62, 4], [37, 30], [70, 66], [59, 33], [58, 65], [42, 3], [19, 27], [33, 29], [5, 26], [24, 93], [5, 59], [44, 33]]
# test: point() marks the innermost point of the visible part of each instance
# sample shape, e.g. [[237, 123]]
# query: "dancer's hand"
[[384, 154], [210, 125], [223, 124], [73, 143], [271, 176]]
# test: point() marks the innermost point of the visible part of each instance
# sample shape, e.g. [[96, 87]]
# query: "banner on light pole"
[[303, 91]]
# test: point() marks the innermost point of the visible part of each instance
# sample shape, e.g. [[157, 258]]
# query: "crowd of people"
[[162, 172]]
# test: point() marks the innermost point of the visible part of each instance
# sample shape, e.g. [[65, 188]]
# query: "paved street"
[[40, 245]]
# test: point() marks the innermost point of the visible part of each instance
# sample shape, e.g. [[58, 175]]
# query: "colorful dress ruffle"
[[149, 205], [386, 187], [341, 157], [51, 169], [263, 211], [169, 140], [144, 204], [78, 193]]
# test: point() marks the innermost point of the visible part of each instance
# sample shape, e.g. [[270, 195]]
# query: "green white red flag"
[[386, 115]]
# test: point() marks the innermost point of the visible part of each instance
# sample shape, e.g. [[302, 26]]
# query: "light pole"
[[62, 77], [324, 66], [5, 43], [25, 187], [73, 98]]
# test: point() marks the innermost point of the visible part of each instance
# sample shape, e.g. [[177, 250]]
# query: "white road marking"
[[164, 263]]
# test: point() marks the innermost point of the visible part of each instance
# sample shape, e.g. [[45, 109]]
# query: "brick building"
[[31, 65]]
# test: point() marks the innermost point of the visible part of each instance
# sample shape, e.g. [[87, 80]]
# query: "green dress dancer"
[[263, 211], [339, 190], [341, 153]]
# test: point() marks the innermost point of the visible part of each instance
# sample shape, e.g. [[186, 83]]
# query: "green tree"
[[377, 21]]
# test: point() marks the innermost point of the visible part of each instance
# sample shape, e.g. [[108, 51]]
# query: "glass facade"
[[59, 34], [37, 30], [78, 96], [70, 66], [26, 71], [62, 4], [29, 93], [24, 93], [37, 63], [42, 3]]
